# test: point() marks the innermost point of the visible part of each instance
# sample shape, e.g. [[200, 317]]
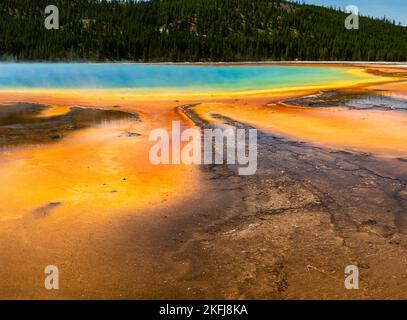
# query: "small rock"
[[395, 240], [133, 134], [403, 194], [129, 134], [369, 222]]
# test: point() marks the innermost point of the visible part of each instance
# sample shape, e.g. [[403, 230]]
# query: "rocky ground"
[[290, 230]]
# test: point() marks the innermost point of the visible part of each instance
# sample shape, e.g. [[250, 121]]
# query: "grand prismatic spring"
[[78, 190]]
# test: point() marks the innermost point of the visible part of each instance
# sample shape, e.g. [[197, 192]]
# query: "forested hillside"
[[192, 30]]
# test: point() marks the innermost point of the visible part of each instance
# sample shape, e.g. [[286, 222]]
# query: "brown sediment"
[[119, 227], [294, 226]]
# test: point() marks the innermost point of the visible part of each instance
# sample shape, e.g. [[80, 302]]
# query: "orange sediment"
[[375, 131], [93, 169]]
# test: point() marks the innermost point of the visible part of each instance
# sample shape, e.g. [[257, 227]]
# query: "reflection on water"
[[23, 123], [19, 113], [380, 100]]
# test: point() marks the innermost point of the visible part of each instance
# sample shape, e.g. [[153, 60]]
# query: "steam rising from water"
[[134, 76]]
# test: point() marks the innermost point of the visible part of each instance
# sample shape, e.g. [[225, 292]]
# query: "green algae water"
[[140, 76]]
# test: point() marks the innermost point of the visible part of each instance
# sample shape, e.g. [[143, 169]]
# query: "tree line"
[[193, 30]]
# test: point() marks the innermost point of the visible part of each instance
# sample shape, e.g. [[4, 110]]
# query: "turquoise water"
[[228, 78]]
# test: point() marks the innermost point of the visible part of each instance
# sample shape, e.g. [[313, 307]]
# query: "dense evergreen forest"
[[193, 30]]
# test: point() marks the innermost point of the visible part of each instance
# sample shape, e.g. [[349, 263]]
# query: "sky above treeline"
[[392, 9]]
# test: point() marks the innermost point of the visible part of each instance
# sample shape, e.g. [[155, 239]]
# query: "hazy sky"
[[392, 9]]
